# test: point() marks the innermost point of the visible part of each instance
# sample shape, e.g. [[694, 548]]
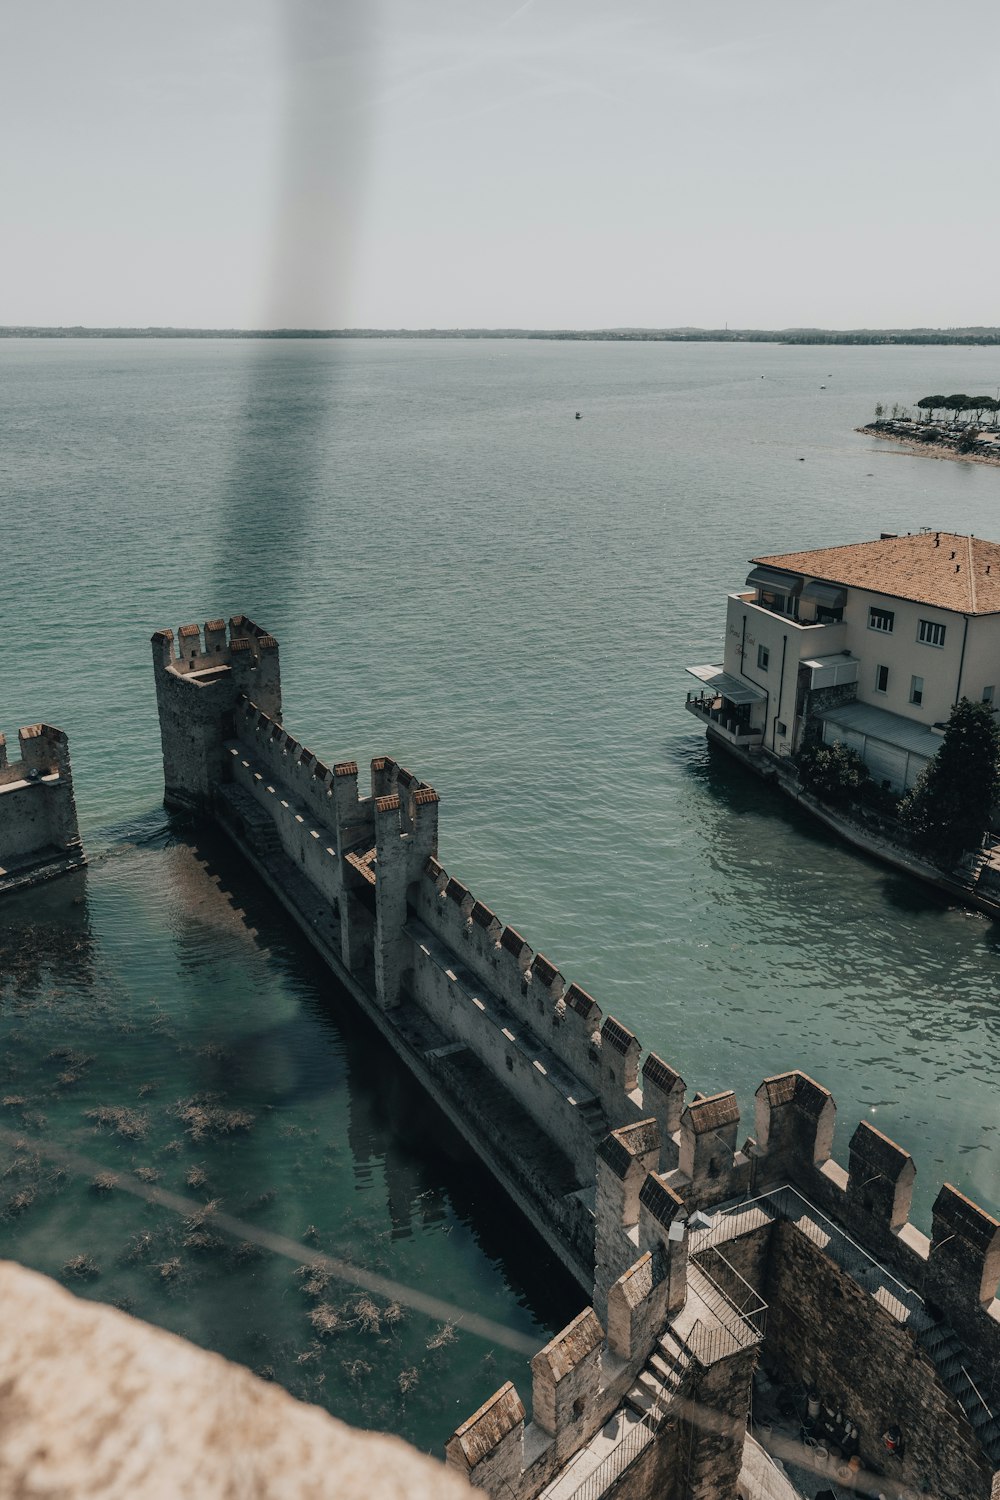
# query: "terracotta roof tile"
[[215, 624], [921, 568]]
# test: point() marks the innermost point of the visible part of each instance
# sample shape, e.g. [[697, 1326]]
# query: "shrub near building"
[[948, 810]]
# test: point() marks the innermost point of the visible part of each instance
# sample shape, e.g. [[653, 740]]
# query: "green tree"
[[879, 411], [948, 810], [956, 404], [931, 404], [833, 773]]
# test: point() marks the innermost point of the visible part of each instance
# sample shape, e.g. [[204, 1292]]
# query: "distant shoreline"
[[964, 337], [930, 450]]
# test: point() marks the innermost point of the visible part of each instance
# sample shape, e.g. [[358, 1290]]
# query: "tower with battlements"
[[200, 677], [39, 832]]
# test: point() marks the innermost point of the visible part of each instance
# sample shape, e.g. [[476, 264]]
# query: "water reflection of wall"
[[46, 939]]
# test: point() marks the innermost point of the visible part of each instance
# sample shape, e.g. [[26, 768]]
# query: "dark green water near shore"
[[464, 576]]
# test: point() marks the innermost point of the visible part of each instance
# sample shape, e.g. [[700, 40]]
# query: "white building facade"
[[870, 645]]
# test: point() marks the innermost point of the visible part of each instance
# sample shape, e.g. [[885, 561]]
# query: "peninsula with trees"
[[955, 426]]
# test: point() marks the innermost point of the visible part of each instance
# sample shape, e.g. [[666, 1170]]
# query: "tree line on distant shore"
[[957, 404], [793, 336]]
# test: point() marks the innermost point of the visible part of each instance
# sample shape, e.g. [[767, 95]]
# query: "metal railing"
[[744, 1299], [789, 1204], [611, 1468]]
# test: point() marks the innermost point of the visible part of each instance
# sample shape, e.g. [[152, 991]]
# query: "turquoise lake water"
[[462, 576]]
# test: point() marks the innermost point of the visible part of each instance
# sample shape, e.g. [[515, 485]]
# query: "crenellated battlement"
[[39, 831], [600, 1144]]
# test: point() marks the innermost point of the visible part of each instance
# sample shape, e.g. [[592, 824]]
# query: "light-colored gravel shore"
[[931, 450]]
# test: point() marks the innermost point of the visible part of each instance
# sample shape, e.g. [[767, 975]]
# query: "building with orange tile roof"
[[869, 644]]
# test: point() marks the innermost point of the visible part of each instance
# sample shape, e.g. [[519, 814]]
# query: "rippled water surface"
[[465, 577]]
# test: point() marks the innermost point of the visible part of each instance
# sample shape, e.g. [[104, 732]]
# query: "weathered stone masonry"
[[39, 834], [604, 1153]]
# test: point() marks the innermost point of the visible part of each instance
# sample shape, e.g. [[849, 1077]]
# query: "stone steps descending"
[[945, 1348]]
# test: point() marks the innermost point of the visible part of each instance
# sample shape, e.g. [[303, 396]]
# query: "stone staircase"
[[942, 1345], [593, 1117], [661, 1381]]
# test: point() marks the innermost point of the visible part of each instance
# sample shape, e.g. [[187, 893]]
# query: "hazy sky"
[[548, 163]]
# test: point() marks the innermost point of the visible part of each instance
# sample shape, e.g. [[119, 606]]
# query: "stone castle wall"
[[601, 1147]]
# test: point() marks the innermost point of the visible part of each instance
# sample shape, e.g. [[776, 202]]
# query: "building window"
[[880, 619], [763, 657], [988, 694], [930, 633], [881, 679], [782, 728], [916, 690]]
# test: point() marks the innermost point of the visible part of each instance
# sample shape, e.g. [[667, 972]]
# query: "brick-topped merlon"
[[433, 869], [707, 1147], [880, 1176], [711, 1113], [636, 1309], [636, 1142], [483, 917], [583, 1005], [456, 891], [547, 975], [513, 943], [618, 1036], [425, 796], [662, 1094], [566, 1378], [624, 1158], [965, 1247], [487, 1448], [387, 804], [794, 1118], [663, 1232], [346, 768], [660, 1201]]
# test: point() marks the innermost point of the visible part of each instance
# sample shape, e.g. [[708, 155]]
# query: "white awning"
[[726, 685]]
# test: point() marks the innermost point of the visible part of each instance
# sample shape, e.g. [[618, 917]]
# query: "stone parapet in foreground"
[[95, 1403]]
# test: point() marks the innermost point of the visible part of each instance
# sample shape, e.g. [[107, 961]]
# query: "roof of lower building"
[[940, 568]]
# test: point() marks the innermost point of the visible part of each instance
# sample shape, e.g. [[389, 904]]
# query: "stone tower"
[[199, 681]]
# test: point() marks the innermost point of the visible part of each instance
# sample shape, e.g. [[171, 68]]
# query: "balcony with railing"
[[725, 719]]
